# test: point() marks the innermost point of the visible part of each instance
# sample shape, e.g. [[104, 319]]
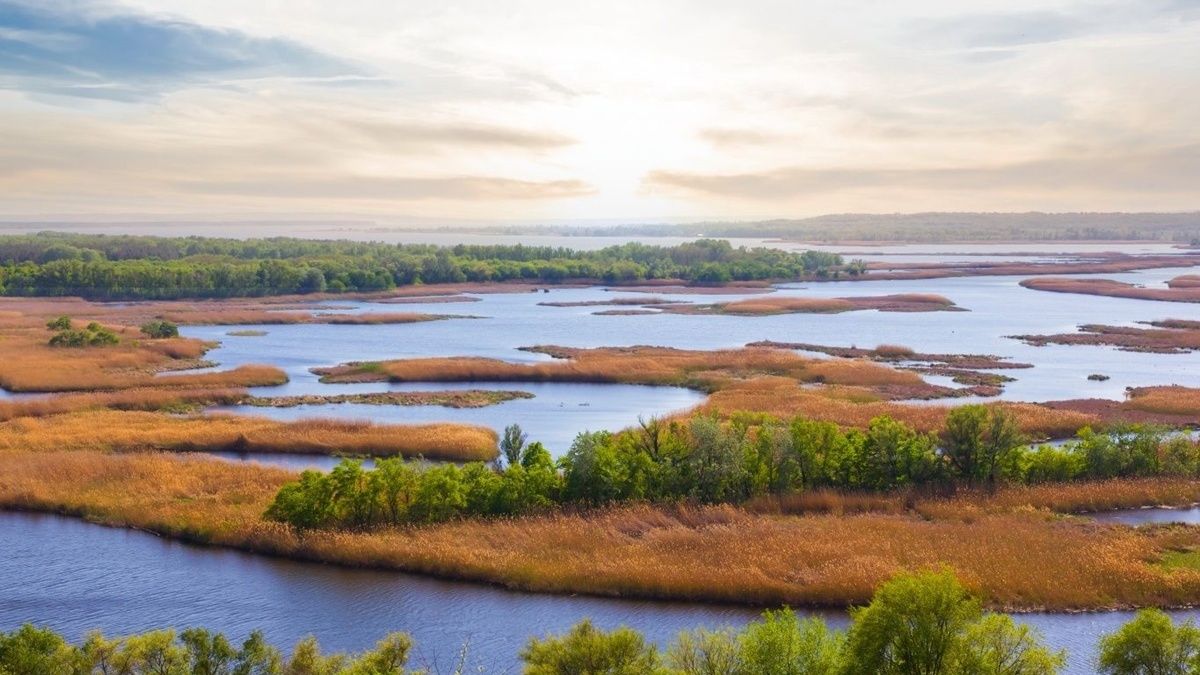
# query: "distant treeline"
[[926, 623], [707, 461], [941, 228], [138, 267]]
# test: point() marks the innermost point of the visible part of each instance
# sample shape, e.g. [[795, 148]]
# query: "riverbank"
[[1015, 548]]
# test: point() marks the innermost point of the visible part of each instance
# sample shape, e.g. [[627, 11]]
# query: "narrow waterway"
[[75, 577]]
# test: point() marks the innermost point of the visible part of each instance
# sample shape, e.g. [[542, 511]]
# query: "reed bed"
[[120, 431], [704, 370], [857, 406], [1185, 281], [765, 306], [1166, 400], [251, 317], [1016, 559], [127, 399], [1114, 289], [61, 375]]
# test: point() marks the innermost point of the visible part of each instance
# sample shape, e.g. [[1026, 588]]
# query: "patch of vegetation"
[[92, 335], [108, 267], [160, 329]]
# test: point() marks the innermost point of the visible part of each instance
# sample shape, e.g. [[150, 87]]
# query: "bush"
[[587, 650], [160, 329], [1151, 644]]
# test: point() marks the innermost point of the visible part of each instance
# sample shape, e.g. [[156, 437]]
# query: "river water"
[[75, 577]]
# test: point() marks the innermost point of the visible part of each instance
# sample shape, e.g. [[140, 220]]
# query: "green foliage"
[[710, 461], [110, 267], [979, 442], [782, 644], [93, 335], [927, 624], [912, 626], [160, 329], [61, 323], [587, 650], [1151, 644]]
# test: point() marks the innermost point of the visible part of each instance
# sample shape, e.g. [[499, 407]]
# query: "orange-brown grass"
[[239, 317], [1114, 289], [120, 431], [63, 375], [128, 399], [1185, 281], [1017, 559], [1087, 497], [910, 302], [856, 407], [704, 370], [1166, 400]]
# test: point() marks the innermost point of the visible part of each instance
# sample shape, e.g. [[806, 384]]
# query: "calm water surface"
[[998, 307], [76, 577]]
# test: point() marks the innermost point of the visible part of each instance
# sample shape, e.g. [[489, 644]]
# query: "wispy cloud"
[[66, 50]]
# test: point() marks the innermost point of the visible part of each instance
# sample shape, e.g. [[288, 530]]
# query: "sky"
[[583, 111]]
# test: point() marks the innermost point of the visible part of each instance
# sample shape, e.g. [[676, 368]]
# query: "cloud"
[[397, 135], [730, 137], [379, 188], [1169, 170], [77, 50], [1000, 30]]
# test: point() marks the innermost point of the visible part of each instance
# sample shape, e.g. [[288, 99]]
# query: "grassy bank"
[[121, 431], [1012, 548]]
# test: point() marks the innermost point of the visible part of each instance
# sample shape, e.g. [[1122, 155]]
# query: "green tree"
[[512, 443], [704, 652], [1151, 644], [587, 650], [978, 441], [996, 645], [782, 644], [913, 626], [160, 329], [30, 650], [208, 653]]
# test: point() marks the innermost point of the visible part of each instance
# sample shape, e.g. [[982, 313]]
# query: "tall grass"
[[127, 399], [1115, 289], [1015, 555], [120, 431], [238, 317], [705, 370]]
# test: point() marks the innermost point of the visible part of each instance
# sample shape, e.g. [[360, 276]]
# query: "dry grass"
[[1166, 400], [766, 306], [1114, 289], [856, 407], [1019, 557], [250, 317], [1170, 336], [1185, 281], [705, 370], [128, 399], [118, 431]]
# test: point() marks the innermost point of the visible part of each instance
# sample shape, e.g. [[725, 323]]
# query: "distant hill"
[[921, 227]]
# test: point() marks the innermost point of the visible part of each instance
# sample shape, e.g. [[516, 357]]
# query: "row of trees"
[[30, 650], [709, 461], [106, 267], [916, 624]]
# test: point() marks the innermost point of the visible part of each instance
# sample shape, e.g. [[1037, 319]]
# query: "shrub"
[[587, 650], [160, 329]]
